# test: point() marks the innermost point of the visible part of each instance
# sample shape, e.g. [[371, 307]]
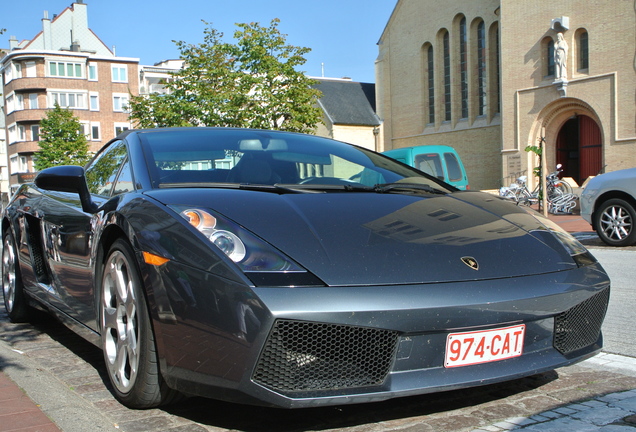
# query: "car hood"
[[621, 180], [366, 238]]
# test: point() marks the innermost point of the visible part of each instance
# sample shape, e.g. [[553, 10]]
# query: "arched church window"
[[481, 69], [463, 66], [584, 51], [430, 59], [447, 77]]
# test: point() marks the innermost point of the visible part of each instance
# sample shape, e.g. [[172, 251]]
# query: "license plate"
[[469, 348]]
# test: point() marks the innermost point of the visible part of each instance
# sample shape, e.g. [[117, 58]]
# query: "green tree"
[[61, 140], [252, 83]]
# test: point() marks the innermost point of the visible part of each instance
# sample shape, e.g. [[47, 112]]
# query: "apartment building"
[[65, 64], [491, 77]]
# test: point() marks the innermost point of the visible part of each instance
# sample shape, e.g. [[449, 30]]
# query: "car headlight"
[[261, 262], [229, 243]]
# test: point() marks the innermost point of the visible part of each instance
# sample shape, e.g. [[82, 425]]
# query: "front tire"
[[614, 222], [15, 300], [127, 336]]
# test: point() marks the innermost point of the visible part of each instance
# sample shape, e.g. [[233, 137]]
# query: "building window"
[[120, 73], [33, 101], [95, 134], [584, 53], [92, 71], [431, 85], [497, 76], [94, 101], [23, 165], [65, 69], [35, 132], [8, 75], [21, 133], [17, 70], [10, 104], [19, 101], [447, 77], [12, 135], [14, 164], [121, 127], [463, 66], [548, 44], [481, 69], [31, 71], [120, 102], [84, 129], [67, 100]]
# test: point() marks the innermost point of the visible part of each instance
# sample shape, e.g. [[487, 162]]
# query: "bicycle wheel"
[[558, 189], [563, 186]]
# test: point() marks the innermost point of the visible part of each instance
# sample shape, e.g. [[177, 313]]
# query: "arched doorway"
[[579, 148]]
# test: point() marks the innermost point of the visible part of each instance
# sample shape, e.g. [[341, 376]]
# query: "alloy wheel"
[[120, 326], [8, 274], [616, 222]]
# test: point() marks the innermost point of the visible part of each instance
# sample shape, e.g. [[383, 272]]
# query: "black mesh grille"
[[308, 357], [580, 326]]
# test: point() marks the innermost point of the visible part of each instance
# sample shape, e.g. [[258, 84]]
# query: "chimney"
[[46, 31], [13, 43], [75, 46], [80, 22]]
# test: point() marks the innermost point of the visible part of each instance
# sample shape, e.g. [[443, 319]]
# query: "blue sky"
[[342, 34]]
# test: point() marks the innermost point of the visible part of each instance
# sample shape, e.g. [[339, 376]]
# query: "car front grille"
[[580, 326], [302, 356]]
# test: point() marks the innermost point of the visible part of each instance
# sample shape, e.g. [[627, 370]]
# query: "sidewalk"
[[573, 223], [18, 412]]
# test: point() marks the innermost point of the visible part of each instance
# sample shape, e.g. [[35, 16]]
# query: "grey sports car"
[[290, 270]]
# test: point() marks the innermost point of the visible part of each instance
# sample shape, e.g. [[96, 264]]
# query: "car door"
[[68, 233]]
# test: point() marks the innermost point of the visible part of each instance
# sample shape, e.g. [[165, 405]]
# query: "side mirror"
[[67, 178]]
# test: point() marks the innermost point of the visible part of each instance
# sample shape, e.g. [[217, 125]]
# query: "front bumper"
[[337, 345]]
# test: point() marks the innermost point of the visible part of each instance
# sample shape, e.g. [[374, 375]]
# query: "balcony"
[[26, 115], [22, 147], [31, 85]]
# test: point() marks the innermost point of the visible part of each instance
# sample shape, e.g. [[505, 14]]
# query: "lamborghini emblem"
[[471, 262]]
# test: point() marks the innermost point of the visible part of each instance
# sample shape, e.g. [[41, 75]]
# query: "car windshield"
[[207, 157]]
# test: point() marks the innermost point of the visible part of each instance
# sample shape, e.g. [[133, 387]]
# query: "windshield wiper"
[[389, 187], [276, 188], [283, 188]]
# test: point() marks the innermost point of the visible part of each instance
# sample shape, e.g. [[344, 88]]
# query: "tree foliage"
[[61, 140], [251, 83]]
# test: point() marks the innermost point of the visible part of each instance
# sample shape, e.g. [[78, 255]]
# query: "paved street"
[[618, 329], [64, 375]]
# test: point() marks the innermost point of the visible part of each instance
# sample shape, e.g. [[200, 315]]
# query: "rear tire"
[[15, 300], [127, 337], [614, 222]]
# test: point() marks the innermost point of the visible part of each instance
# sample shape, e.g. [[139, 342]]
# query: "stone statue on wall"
[[560, 58]]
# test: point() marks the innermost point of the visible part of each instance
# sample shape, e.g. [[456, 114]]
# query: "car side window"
[[454, 171], [102, 171], [430, 164], [124, 181]]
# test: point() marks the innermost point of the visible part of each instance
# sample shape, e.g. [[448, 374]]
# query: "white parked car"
[[608, 202]]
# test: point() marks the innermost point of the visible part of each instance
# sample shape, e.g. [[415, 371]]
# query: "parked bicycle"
[[559, 193]]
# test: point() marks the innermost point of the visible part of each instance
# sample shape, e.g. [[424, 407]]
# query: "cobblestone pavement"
[[597, 395]]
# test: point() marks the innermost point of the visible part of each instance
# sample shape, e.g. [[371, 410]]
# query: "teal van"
[[440, 161]]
